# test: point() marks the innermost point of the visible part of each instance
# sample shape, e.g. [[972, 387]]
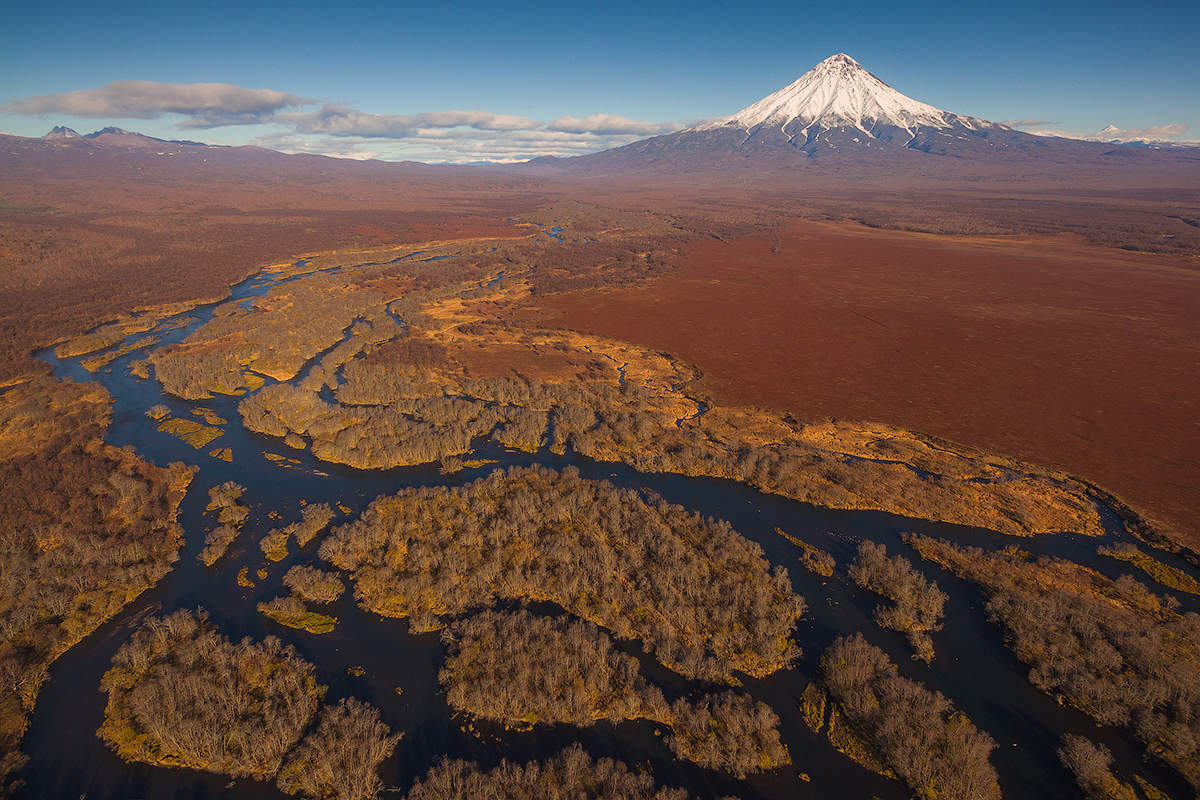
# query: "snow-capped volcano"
[[842, 116], [838, 94]]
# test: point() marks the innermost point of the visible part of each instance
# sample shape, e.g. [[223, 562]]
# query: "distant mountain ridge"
[[114, 135]]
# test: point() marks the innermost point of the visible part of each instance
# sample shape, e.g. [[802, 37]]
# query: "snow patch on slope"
[[836, 93]]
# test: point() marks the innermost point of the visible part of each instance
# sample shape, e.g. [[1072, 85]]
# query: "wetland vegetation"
[[86, 528], [915, 733], [524, 669], [1112, 648], [916, 602], [571, 773], [698, 595], [543, 596]]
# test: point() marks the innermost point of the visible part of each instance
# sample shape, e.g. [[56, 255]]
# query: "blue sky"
[[374, 78]]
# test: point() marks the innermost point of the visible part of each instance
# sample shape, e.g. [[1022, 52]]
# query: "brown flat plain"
[[1031, 344], [1042, 348]]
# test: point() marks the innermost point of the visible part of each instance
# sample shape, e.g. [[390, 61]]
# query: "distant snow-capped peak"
[[836, 93]]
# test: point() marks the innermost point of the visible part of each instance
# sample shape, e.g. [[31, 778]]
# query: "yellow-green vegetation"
[[1112, 648], [701, 598], [1149, 790], [812, 558], [570, 774], [222, 454], [813, 702], [180, 694], [86, 529], [295, 322], [313, 519], [105, 336], [101, 360], [209, 416], [223, 498], [916, 733], [917, 602], [340, 758], [846, 741], [1090, 763], [231, 515], [292, 612], [140, 368], [243, 578], [274, 544], [197, 434], [216, 542], [158, 412], [314, 585], [819, 712], [1171, 577]]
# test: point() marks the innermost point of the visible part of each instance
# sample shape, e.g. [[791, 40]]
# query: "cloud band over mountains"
[[456, 134], [303, 125], [205, 105]]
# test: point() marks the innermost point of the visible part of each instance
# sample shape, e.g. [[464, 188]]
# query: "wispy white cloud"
[[1027, 123], [1168, 133], [344, 131], [333, 120], [206, 105], [452, 146], [462, 136], [609, 124]]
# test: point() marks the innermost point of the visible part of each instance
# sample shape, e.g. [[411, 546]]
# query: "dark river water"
[[399, 670]]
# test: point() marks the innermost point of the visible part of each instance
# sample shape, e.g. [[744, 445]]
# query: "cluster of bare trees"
[[1091, 764], [730, 731], [526, 669], [340, 758], [231, 515], [570, 774], [701, 597], [917, 733], [84, 528], [180, 693], [1111, 647], [313, 519], [313, 584], [917, 602]]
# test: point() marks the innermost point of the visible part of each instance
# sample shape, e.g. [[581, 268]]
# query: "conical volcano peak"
[[838, 93], [839, 61]]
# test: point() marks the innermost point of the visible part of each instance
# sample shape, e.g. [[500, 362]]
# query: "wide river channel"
[[379, 660]]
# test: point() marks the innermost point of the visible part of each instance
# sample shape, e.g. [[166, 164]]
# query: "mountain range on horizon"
[[837, 109], [840, 111]]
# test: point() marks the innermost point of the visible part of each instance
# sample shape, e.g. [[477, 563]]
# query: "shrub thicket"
[[700, 597]]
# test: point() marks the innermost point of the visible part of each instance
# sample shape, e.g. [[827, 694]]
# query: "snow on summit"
[[839, 93]]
